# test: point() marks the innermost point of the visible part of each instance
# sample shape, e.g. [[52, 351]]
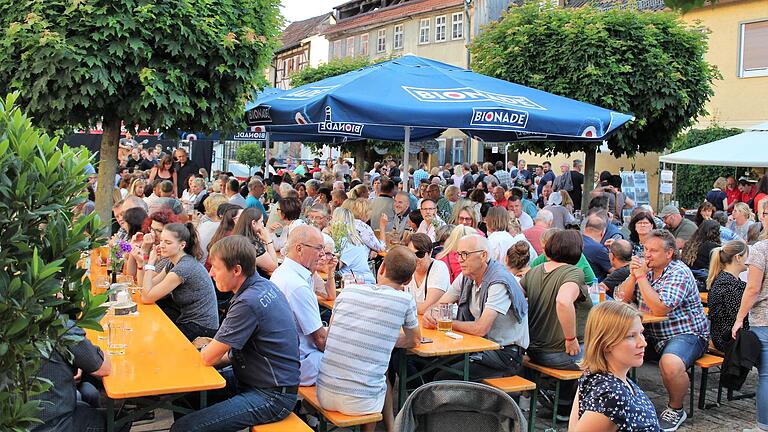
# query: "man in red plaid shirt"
[[663, 285]]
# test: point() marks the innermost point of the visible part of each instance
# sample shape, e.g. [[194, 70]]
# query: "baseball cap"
[[669, 210]]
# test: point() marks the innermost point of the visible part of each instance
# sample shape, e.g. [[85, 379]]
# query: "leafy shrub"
[[694, 181], [250, 155], [40, 245]]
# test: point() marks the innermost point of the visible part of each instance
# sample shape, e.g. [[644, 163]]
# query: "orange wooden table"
[[328, 304], [704, 296], [158, 360], [442, 351]]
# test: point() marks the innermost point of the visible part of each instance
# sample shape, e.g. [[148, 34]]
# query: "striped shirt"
[[366, 324]]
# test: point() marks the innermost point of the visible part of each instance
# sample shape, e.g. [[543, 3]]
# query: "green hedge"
[[694, 181]]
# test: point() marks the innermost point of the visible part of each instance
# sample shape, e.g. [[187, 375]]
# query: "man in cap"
[[679, 226]]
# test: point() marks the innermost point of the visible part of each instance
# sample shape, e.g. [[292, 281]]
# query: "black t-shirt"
[[183, 173], [615, 278], [577, 179], [724, 302], [702, 256]]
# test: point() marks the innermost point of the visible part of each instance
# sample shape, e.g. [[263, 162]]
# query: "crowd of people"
[[240, 264]]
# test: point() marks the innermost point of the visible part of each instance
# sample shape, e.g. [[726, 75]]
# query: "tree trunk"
[[360, 154], [590, 157], [107, 169]]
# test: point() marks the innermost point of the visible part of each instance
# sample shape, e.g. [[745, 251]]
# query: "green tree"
[[693, 181], [650, 64], [362, 150], [40, 244], [251, 155], [145, 64]]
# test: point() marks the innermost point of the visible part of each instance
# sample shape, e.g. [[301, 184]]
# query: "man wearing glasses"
[[432, 221], [294, 277], [491, 305], [679, 226]]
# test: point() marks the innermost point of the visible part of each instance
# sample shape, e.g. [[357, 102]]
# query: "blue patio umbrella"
[[416, 98]]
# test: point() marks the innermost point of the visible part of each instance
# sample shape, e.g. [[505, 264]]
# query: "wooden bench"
[[517, 384], [558, 374], [291, 423], [706, 362], [339, 420]]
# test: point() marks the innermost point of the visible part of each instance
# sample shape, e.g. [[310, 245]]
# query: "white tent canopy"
[[748, 149]]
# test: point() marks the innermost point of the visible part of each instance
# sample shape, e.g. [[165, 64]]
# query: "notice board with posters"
[[634, 184]]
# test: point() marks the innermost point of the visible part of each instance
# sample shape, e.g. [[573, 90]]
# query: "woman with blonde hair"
[[354, 252], [465, 215], [499, 223], [448, 255], [361, 210], [458, 175], [743, 218], [717, 195], [566, 201], [137, 188], [606, 399], [726, 290]]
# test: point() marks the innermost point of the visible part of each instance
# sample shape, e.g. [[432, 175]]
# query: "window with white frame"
[[457, 25], [753, 56], [458, 150], [397, 41], [440, 151], [424, 30], [336, 49], [364, 44], [381, 40], [351, 46], [440, 28]]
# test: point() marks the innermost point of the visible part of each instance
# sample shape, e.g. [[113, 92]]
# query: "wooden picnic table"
[[158, 360], [441, 353], [652, 319], [704, 296]]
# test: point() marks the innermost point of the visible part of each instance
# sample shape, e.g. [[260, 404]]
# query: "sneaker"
[[563, 413], [671, 419]]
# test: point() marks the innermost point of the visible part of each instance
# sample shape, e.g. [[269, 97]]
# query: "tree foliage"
[[694, 181], [40, 245], [172, 64], [250, 155], [649, 64]]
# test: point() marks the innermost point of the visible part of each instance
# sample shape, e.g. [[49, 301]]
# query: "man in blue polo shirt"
[[258, 337], [596, 252]]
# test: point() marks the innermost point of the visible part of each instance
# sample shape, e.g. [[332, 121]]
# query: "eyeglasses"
[[315, 247], [464, 219], [463, 255]]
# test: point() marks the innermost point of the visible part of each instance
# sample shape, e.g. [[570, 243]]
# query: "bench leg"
[[703, 388], [466, 367], [720, 388], [692, 377], [110, 415], [532, 409], [403, 380], [556, 405]]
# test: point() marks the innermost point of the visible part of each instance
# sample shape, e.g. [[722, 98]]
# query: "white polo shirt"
[[296, 283]]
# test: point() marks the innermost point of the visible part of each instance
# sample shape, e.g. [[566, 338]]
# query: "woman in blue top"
[[354, 253], [607, 400]]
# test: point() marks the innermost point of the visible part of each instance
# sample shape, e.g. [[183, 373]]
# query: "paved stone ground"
[[729, 416]]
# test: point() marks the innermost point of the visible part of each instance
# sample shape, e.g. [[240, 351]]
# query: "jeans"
[[235, 409], [86, 418], [687, 347], [762, 370], [560, 360]]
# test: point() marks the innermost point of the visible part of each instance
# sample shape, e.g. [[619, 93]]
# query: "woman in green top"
[[583, 264]]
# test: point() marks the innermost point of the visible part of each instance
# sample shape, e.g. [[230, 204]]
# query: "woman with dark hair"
[[558, 306], [414, 220], [164, 170], [133, 221], [519, 259], [697, 248], [704, 212], [726, 290], [227, 212], [431, 279], [640, 225], [184, 278], [762, 192], [289, 213], [250, 224]]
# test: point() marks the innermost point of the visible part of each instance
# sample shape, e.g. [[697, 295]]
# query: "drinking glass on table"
[[117, 340], [443, 315]]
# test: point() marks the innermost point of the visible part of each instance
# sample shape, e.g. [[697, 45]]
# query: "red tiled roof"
[[300, 30], [385, 15]]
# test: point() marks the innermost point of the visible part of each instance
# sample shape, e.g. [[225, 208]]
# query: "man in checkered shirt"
[[502, 175], [419, 174], [662, 285]]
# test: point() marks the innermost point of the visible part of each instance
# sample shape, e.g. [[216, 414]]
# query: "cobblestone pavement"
[[729, 416]]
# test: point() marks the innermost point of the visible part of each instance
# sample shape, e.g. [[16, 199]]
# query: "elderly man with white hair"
[[492, 305], [294, 277], [542, 223]]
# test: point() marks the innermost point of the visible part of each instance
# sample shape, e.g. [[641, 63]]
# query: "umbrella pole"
[[266, 156], [406, 149]]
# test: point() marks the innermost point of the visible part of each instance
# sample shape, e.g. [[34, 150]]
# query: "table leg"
[[403, 376], [556, 404], [703, 388], [466, 367], [110, 415], [203, 399], [532, 419]]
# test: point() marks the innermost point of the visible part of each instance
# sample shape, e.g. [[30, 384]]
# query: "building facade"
[[303, 45]]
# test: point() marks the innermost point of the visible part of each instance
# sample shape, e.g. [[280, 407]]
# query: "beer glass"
[[117, 339], [443, 314]]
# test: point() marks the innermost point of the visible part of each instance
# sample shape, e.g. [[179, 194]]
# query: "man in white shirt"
[[431, 221], [294, 278], [515, 206], [233, 193]]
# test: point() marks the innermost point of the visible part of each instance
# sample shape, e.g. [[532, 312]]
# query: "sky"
[[297, 10]]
